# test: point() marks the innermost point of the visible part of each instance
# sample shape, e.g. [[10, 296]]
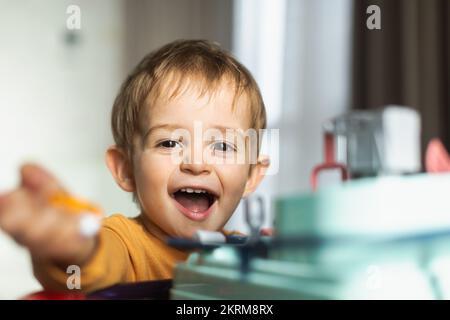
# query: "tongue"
[[195, 202]]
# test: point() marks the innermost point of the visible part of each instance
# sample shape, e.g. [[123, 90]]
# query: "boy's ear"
[[119, 166], [256, 175]]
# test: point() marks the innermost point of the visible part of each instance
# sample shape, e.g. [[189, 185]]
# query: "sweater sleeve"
[[109, 265]]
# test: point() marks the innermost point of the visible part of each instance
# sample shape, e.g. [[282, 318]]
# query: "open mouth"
[[196, 204]]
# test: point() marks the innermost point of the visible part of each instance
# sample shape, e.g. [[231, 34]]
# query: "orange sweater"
[[126, 252]]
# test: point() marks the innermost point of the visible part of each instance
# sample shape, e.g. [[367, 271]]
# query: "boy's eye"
[[169, 144], [223, 146]]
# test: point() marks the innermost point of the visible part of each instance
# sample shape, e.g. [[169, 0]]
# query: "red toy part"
[[266, 232], [330, 162], [48, 295], [437, 158]]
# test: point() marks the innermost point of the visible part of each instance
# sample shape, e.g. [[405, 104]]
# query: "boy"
[[180, 182]]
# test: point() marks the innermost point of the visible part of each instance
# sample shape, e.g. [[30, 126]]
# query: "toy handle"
[[330, 162]]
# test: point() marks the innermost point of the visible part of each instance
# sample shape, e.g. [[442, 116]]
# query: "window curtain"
[[406, 62]]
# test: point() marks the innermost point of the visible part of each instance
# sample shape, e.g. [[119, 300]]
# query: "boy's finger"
[[2, 200], [16, 212], [43, 229], [39, 180]]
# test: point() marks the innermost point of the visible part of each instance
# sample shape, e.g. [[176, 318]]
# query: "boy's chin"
[[183, 232], [186, 234], [189, 232]]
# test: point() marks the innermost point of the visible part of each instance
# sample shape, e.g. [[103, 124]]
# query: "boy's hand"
[[48, 232]]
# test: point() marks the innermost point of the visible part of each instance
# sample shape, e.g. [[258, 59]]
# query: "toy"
[[90, 215]]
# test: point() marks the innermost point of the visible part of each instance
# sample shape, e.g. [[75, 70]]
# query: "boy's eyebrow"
[[178, 126], [161, 126], [225, 128]]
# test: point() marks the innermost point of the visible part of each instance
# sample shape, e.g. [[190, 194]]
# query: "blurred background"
[[313, 59]]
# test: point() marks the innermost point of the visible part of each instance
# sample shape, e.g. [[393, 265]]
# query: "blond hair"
[[173, 64]]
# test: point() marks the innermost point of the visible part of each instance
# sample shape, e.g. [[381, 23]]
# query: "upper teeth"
[[189, 190]]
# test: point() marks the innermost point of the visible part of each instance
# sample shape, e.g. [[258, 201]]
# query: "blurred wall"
[[151, 24], [317, 73], [55, 97]]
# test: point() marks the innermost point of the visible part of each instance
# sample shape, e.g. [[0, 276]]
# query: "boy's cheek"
[[233, 180], [153, 169], [234, 174]]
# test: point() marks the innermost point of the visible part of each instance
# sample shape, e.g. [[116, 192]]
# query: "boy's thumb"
[[39, 180]]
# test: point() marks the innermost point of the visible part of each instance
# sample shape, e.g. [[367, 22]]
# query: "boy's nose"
[[193, 162], [195, 168]]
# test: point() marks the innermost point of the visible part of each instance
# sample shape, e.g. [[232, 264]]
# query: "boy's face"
[[182, 177]]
